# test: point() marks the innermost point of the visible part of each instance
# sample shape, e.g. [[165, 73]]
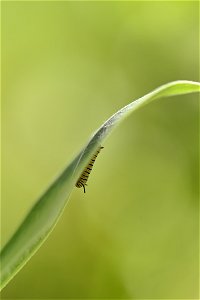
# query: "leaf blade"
[[45, 213]]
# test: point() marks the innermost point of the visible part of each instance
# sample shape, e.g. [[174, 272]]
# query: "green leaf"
[[44, 215]]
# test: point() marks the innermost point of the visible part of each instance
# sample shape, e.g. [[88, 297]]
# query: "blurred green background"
[[66, 67]]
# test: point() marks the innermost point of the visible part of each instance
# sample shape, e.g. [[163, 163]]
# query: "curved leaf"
[[44, 215]]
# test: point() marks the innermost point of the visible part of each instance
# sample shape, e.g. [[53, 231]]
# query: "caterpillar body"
[[82, 181]]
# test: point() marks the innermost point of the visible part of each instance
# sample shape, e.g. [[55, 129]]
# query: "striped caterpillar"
[[86, 172]]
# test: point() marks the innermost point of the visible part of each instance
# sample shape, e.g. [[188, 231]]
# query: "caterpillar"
[[81, 182]]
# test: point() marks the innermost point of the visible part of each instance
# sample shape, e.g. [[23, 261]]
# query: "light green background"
[[66, 67]]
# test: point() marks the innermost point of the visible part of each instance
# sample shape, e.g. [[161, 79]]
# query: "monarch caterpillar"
[[86, 172]]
